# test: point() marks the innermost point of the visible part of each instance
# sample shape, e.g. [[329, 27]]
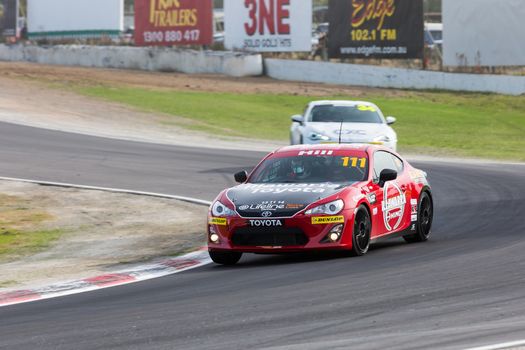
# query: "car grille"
[[272, 237]]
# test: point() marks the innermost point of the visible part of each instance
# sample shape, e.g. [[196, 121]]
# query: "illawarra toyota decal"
[[393, 207]]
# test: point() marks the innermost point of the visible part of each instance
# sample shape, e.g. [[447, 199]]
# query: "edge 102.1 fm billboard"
[[376, 28]]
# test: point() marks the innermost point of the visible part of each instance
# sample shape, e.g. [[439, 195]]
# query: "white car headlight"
[[318, 137], [331, 208], [220, 210], [381, 138]]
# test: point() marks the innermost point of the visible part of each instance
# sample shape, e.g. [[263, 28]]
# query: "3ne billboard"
[[268, 25], [173, 22], [376, 28], [74, 18]]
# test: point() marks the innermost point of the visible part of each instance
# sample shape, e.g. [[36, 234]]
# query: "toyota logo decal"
[[266, 213]]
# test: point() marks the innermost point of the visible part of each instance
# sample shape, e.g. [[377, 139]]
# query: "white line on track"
[[507, 345], [109, 189]]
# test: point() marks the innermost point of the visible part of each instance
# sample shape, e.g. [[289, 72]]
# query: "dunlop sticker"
[[218, 221], [328, 220]]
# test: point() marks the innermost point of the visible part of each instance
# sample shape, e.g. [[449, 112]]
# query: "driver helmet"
[[300, 168]]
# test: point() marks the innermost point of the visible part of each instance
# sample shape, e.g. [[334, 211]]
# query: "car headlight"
[[331, 208], [381, 138], [220, 210], [318, 137]]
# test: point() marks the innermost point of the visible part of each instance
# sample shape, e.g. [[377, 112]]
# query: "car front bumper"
[[300, 233]]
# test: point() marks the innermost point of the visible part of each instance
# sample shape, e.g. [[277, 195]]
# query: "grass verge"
[[461, 124], [20, 228]]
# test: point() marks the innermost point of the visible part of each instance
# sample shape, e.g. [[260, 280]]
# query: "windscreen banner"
[[376, 29], [173, 22], [268, 25], [9, 22]]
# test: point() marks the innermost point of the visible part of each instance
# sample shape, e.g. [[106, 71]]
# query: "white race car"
[[343, 121]]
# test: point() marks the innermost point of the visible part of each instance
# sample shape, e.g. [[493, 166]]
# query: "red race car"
[[320, 197]]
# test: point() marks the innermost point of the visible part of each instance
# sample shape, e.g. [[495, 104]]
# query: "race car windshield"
[[312, 169], [347, 114]]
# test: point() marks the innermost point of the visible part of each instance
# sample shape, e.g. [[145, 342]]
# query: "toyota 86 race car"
[[343, 122], [320, 197]]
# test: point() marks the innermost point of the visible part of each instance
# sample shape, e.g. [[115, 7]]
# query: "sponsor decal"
[[289, 188], [413, 206], [371, 198], [294, 206], [413, 227], [318, 220], [316, 153], [364, 108], [413, 217], [418, 176], [218, 221], [350, 132], [393, 206], [266, 223], [264, 206], [374, 211], [267, 214]]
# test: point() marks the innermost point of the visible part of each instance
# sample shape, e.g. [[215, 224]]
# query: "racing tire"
[[425, 215], [225, 258], [361, 232]]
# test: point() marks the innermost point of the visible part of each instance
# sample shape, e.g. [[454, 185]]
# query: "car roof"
[[341, 103]]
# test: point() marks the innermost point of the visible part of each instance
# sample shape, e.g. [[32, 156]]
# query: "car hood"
[[351, 132], [278, 200]]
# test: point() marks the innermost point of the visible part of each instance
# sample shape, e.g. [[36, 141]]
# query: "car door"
[[391, 208]]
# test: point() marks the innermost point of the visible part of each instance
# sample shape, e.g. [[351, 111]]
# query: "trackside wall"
[[385, 77], [243, 64], [153, 59]]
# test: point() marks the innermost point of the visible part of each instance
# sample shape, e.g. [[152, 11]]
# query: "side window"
[[383, 160], [398, 163]]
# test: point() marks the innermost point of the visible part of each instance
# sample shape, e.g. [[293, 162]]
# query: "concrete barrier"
[[153, 59], [384, 77]]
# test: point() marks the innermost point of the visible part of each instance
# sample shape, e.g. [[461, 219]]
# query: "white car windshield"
[[346, 114]]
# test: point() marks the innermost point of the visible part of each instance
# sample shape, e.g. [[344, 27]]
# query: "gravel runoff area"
[[102, 231]]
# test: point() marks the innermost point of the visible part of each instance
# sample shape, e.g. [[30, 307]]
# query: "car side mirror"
[[298, 119], [241, 177], [387, 175], [390, 120]]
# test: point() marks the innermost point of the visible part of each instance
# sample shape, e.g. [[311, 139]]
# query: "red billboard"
[[173, 22]]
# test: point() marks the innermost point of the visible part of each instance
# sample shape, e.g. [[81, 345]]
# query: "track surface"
[[464, 287]]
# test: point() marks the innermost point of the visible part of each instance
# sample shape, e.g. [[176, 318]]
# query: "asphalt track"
[[465, 287]]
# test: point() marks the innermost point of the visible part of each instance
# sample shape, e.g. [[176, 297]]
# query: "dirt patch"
[[100, 230]]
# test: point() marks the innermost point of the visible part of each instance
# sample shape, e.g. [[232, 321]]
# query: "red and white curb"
[[117, 278]]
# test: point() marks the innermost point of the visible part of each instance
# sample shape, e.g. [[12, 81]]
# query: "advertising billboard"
[[74, 18], [376, 28], [9, 21], [483, 33], [173, 22], [268, 25]]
